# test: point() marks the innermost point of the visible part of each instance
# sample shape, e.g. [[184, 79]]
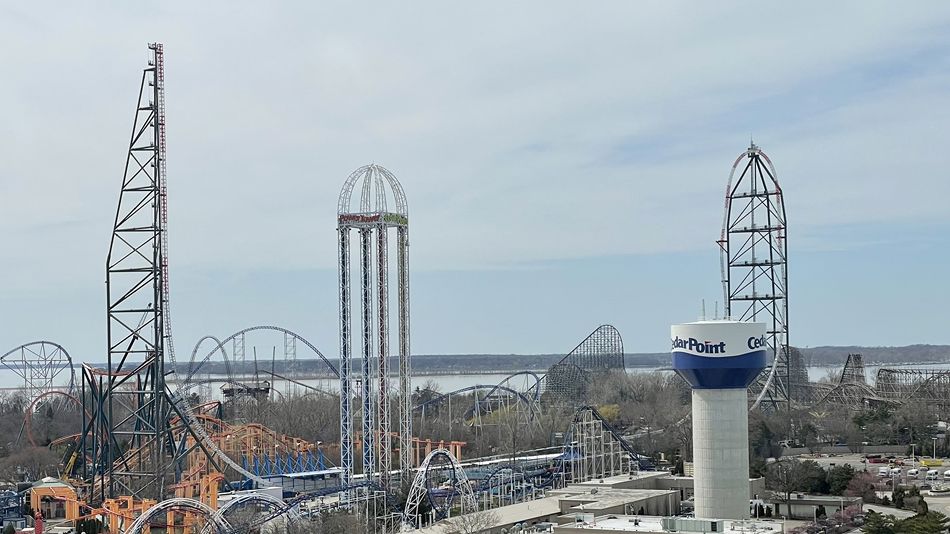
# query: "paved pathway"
[[896, 512]]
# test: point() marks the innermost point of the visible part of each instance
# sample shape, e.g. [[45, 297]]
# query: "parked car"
[[883, 472], [913, 472], [933, 474]]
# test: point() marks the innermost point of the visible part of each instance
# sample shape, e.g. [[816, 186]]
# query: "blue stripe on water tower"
[[724, 372], [719, 354]]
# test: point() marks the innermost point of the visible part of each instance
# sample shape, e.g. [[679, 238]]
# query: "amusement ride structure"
[[565, 382], [42, 365], [380, 206], [125, 437], [753, 259], [152, 450]]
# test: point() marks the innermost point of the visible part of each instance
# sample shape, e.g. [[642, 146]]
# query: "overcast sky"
[[564, 163]]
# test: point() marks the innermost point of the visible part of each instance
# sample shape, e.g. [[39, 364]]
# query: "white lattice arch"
[[262, 498], [419, 491], [216, 525]]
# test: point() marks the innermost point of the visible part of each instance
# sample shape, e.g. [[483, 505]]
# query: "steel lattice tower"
[[130, 418], [373, 219], [131, 432], [753, 257]]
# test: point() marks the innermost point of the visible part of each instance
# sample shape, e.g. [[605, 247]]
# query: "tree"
[[472, 523], [876, 523], [839, 477], [897, 496], [815, 478], [914, 501], [28, 464], [862, 485], [785, 477], [339, 522], [9, 529], [922, 508], [760, 436], [927, 523]]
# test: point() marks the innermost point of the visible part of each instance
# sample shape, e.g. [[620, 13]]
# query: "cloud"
[[522, 133]]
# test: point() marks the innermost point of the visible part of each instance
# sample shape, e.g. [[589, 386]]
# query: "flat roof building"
[[663, 525]]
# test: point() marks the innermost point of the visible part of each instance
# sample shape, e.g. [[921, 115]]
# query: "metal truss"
[[439, 481], [372, 217], [131, 407], [753, 259], [44, 366], [215, 522], [481, 400], [595, 450], [567, 380], [233, 364]]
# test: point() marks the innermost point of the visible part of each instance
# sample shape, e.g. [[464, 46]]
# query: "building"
[[649, 493], [561, 506], [807, 507], [662, 525]]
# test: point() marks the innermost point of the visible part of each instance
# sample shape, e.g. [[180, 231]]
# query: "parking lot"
[[902, 473]]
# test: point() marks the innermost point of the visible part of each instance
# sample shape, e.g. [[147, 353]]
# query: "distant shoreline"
[[307, 363]]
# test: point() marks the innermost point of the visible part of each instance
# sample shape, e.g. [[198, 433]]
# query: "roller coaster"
[[441, 486], [234, 364], [43, 366], [564, 383], [892, 387]]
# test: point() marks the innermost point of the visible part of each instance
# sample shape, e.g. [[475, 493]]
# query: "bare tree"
[[785, 477], [28, 464], [473, 523]]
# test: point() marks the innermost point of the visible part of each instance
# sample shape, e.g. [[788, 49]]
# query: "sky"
[[564, 163]]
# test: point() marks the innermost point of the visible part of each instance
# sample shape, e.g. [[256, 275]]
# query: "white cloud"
[[507, 124]]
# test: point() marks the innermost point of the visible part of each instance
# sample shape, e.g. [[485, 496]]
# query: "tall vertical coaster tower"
[[720, 359], [753, 253], [381, 207], [131, 432]]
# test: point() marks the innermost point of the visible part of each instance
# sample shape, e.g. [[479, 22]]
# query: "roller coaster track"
[[39, 363], [536, 387], [479, 387], [183, 408], [588, 415], [219, 346], [216, 524], [28, 414], [221, 343], [601, 350], [422, 487]]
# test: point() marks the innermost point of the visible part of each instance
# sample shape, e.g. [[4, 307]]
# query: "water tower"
[[720, 359]]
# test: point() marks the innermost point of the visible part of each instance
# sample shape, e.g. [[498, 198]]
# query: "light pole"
[[913, 457], [935, 448]]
